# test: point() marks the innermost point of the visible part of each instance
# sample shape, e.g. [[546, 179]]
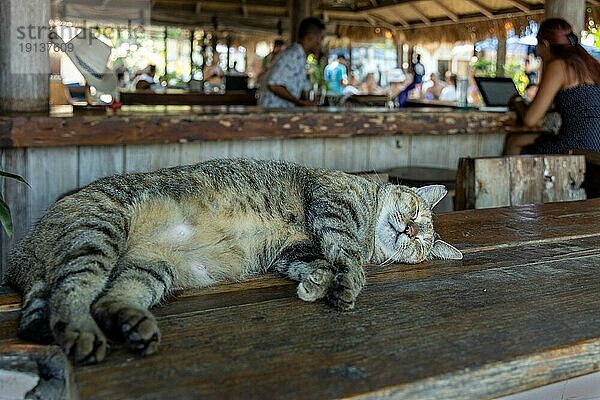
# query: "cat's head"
[[404, 229]]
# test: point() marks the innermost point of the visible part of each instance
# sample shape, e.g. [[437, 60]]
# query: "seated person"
[[352, 87], [449, 92], [570, 80], [397, 81], [434, 90], [145, 80], [213, 73], [370, 86], [530, 92]]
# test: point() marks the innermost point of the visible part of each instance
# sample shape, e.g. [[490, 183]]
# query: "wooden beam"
[[370, 19], [421, 16], [403, 21], [453, 16], [521, 5], [376, 21], [244, 8], [481, 8]]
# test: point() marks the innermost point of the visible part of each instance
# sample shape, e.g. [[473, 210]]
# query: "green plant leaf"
[[13, 176], [5, 218]]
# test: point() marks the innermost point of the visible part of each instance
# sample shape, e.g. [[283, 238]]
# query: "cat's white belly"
[[207, 246]]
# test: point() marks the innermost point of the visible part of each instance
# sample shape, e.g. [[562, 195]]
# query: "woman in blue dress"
[[571, 80]]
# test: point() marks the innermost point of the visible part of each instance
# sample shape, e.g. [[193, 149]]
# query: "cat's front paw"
[[315, 285], [347, 284], [81, 340]]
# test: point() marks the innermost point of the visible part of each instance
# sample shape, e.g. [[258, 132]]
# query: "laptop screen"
[[496, 91]]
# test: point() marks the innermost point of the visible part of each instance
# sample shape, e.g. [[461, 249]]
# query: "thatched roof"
[[364, 20]]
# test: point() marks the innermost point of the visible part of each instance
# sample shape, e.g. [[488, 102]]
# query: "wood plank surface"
[[520, 310], [52, 172], [527, 180], [16, 195], [139, 125], [563, 178], [96, 162], [492, 182]]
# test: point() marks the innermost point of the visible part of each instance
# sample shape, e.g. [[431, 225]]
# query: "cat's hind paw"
[[346, 286], [316, 285], [82, 341], [126, 323], [140, 330]]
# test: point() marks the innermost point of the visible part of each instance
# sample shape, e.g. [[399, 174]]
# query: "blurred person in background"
[[286, 80], [571, 80], [336, 76], [448, 93]]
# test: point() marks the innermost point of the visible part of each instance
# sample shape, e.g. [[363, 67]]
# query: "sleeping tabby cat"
[[100, 258]]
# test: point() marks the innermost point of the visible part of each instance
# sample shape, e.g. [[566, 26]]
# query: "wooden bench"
[[520, 311], [591, 183], [515, 180]]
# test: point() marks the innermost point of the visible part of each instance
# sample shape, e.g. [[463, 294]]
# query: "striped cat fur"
[[100, 258]]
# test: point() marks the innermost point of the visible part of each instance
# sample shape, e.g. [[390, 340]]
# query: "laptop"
[[236, 82], [496, 92]]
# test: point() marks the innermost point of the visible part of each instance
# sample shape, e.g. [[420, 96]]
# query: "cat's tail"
[[34, 324]]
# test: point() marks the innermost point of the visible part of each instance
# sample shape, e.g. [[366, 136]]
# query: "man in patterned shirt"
[[286, 79]]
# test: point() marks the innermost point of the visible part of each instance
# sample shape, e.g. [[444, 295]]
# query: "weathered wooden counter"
[[520, 311], [178, 124], [63, 152]]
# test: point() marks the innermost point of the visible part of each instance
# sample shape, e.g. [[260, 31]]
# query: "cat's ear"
[[445, 251], [432, 194]]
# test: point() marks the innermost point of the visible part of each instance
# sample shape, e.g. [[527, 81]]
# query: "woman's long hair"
[[564, 44]]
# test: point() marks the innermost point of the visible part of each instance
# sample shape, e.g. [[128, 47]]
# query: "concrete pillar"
[[24, 61], [573, 11], [297, 11]]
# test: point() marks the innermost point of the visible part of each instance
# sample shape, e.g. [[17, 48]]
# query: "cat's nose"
[[411, 230]]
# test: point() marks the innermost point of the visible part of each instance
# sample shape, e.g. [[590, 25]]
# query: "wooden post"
[[399, 54], [24, 61], [501, 55], [297, 11], [573, 11], [165, 42], [192, 65]]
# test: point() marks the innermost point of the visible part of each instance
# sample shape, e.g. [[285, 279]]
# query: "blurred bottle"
[[462, 90]]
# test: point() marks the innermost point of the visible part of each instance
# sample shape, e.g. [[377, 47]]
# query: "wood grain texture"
[[429, 151], [563, 177], [519, 311], [527, 180], [138, 126], [492, 182], [99, 161], [389, 152], [514, 180], [52, 172], [16, 195], [149, 157]]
